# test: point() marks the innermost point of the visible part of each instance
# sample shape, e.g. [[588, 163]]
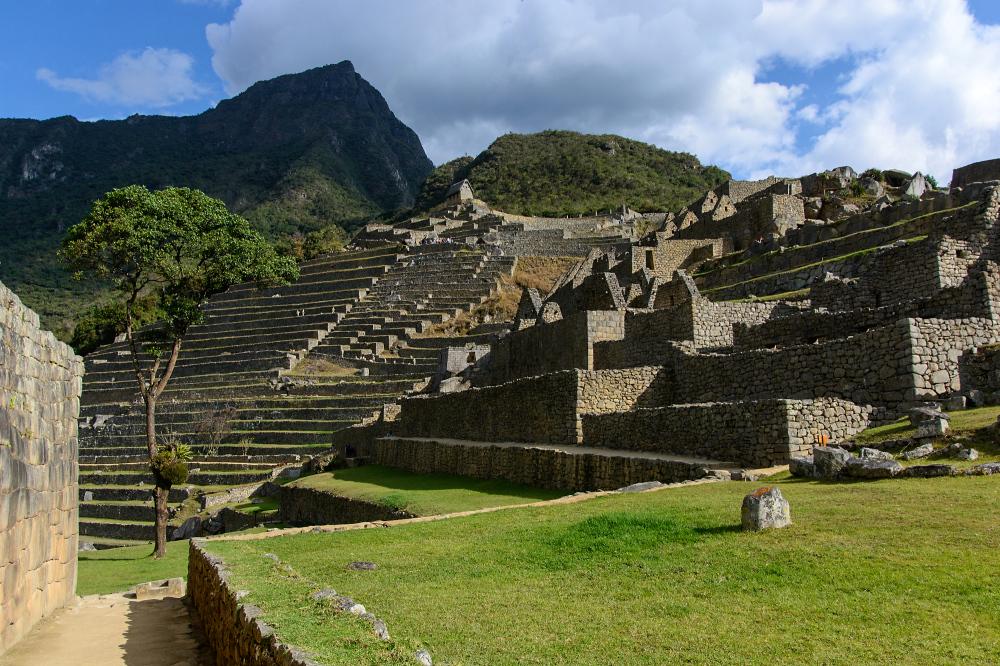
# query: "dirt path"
[[112, 630]]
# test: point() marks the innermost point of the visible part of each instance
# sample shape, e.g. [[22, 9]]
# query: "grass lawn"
[[424, 494], [891, 572], [118, 569]]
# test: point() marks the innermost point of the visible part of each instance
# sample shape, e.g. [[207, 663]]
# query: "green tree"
[[178, 247]]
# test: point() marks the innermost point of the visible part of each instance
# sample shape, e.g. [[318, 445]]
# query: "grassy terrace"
[[898, 571], [424, 494]]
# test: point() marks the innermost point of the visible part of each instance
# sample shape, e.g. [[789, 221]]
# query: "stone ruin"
[[661, 360], [765, 319]]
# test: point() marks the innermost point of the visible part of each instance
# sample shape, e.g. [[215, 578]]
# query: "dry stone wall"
[[560, 345], [753, 433], [544, 468], [306, 505], [40, 383]]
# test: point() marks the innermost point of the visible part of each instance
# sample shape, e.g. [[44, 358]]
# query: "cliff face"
[[295, 153]]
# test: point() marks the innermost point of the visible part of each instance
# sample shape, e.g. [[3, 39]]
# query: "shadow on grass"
[[718, 530]]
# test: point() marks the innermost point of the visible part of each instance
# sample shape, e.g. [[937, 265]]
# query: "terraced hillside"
[[236, 396]]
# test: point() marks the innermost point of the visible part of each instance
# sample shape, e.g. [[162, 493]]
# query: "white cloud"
[[918, 87], [151, 78]]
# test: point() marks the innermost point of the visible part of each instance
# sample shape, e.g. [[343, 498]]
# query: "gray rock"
[[345, 603], [920, 414], [765, 508], [956, 403], [829, 460], [875, 453], [188, 529], [356, 609], [640, 487], [323, 594], [994, 398], [424, 657], [948, 451], [928, 471], [362, 566], [875, 189], [381, 631], [85, 546], [454, 385], [931, 428], [802, 467], [367, 616], [985, 469], [364, 372], [968, 454], [921, 451], [272, 556], [871, 468], [915, 188], [88, 496], [977, 398]]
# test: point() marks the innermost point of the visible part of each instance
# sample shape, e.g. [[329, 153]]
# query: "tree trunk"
[[161, 521]]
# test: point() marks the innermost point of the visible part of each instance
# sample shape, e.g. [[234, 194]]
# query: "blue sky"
[[756, 86]]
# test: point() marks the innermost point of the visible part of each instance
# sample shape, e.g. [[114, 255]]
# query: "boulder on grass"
[[977, 398], [984, 470], [802, 467], [829, 460], [928, 471], [968, 454], [931, 428], [921, 451], [871, 468], [765, 508], [875, 453], [926, 413]]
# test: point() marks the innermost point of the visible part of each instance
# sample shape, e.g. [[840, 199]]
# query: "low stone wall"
[[753, 434], [980, 369], [40, 383], [306, 505], [235, 631], [543, 468]]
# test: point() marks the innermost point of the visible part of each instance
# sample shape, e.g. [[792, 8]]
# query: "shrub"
[[168, 468], [873, 173]]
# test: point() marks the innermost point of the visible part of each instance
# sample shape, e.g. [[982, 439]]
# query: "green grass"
[[118, 569], [891, 572], [424, 494]]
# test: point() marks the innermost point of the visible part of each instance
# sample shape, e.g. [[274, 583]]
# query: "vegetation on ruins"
[[179, 247], [865, 574], [296, 154], [557, 173]]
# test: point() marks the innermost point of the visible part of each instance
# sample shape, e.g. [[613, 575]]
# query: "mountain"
[[556, 173], [292, 154]]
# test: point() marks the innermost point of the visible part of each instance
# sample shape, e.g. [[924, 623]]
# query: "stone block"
[[829, 460], [866, 452], [956, 403], [921, 451], [928, 471], [802, 467], [931, 428], [765, 508], [871, 468]]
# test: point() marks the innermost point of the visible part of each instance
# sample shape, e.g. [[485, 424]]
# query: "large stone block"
[[765, 508]]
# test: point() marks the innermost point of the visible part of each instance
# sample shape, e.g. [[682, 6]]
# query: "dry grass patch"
[[540, 273], [319, 366]]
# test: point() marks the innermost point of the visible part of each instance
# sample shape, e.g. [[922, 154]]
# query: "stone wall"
[[306, 505], [236, 631], [936, 352], [40, 384], [754, 433], [561, 345], [544, 468], [977, 172]]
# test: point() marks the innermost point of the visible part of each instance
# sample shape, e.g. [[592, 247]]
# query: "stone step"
[[273, 401], [202, 466], [110, 529], [290, 452], [290, 437], [131, 494], [199, 479], [126, 511]]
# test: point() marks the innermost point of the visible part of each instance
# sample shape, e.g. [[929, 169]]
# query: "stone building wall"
[[40, 384], [670, 254], [937, 348], [560, 345], [753, 433], [977, 172], [738, 190], [980, 369]]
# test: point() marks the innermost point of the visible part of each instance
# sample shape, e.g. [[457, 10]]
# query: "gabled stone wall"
[[40, 383]]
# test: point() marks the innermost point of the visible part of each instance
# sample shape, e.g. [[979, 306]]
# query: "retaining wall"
[[40, 383], [543, 468], [754, 434], [306, 505]]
